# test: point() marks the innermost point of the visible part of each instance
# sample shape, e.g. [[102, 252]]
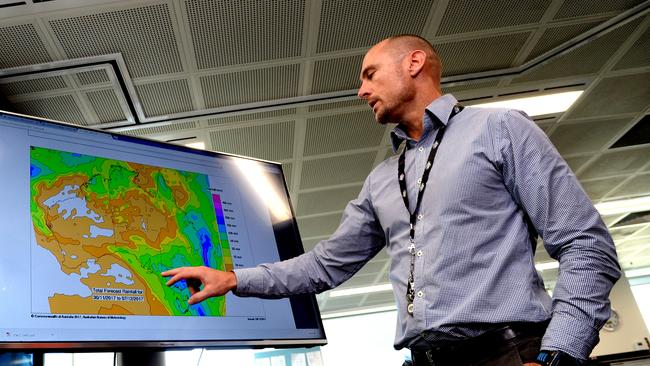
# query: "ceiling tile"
[[360, 23], [161, 129], [165, 97], [637, 186], [140, 34], [585, 59], [326, 200], [617, 163], [596, 189], [239, 32], [318, 226], [496, 52], [622, 94], [586, 137], [106, 105], [337, 170], [39, 85], [638, 54], [21, 45], [336, 74], [257, 116], [555, 36], [466, 88], [336, 105], [359, 280], [612, 219], [577, 162], [309, 244], [576, 8], [270, 141], [473, 15], [250, 86], [60, 108], [342, 132], [92, 77]]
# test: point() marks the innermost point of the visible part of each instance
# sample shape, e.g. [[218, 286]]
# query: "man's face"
[[385, 85]]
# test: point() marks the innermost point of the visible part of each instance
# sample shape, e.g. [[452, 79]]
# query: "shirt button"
[[420, 293], [419, 180], [420, 148], [419, 253], [420, 216]]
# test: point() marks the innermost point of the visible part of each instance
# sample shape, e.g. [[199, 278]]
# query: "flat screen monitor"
[[89, 219]]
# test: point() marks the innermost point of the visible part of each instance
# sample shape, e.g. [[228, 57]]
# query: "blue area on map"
[[206, 245], [34, 171]]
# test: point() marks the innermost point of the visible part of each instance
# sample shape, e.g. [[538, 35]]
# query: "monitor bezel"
[[117, 346]]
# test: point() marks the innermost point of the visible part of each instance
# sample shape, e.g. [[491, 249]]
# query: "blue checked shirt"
[[495, 171]]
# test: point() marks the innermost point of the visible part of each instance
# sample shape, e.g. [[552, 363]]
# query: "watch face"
[[612, 323]]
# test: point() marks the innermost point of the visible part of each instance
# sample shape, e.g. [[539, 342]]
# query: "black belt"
[[486, 341]]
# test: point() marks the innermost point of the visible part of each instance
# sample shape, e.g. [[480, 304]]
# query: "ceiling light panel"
[[470, 15], [21, 45], [496, 52], [360, 23], [250, 86], [238, 32], [140, 34]]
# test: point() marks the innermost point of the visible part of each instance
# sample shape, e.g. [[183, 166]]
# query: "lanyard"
[[410, 290]]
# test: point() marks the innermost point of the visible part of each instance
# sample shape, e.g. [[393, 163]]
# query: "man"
[[458, 213]]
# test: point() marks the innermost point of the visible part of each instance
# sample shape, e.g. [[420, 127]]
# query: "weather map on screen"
[[114, 225]]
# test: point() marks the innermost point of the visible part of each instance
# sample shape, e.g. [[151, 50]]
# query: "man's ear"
[[416, 60]]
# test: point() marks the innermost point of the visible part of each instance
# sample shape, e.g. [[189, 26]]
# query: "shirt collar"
[[440, 107]]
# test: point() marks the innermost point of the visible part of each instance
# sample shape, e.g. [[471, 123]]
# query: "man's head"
[[398, 74]]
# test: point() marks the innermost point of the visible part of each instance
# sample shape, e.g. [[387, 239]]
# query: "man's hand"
[[532, 364], [215, 283]]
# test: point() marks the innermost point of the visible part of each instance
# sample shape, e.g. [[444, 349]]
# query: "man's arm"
[[573, 232], [358, 238]]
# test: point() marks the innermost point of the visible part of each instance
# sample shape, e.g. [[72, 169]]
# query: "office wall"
[[631, 329]]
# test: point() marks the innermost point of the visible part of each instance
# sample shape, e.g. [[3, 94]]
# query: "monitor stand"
[[140, 358]]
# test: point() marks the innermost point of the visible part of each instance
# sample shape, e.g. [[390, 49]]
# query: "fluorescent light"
[[361, 290], [637, 272], [268, 193], [624, 206], [196, 145], [547, 265], [538, 105], [363, 311]]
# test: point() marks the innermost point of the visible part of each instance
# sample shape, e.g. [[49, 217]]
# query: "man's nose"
[[363, 91]]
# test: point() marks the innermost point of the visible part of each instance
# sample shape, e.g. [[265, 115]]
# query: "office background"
[[277, 80]]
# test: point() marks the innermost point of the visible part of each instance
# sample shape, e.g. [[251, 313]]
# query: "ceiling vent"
[[637, 135]]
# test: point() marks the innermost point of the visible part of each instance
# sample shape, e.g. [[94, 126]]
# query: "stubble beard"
[[390, 112]]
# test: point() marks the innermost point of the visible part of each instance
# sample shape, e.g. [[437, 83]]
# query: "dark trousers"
[[508, 346]]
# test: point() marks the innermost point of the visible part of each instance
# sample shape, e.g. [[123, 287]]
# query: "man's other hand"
[[215, 283]]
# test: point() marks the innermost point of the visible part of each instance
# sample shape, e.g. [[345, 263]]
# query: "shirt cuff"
[[249, 281], [569, 335]]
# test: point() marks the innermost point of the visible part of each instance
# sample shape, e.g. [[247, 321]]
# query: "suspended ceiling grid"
[[277, 80]]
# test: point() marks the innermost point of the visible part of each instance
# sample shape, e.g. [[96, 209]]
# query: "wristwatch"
[[556, 358]]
